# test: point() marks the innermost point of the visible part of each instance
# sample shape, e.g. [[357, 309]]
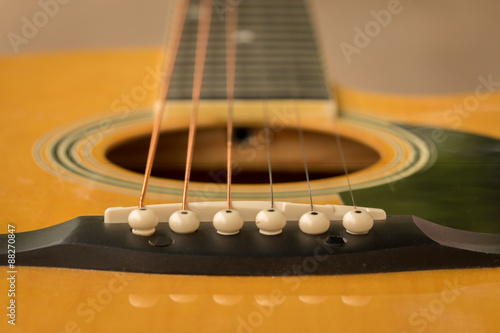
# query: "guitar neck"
[[277, 56]]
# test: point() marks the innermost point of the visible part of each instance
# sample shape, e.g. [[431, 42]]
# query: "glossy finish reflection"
[[436, 301]]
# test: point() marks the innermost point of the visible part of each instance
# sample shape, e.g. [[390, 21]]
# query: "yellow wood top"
[[44, 92], [63, 300]]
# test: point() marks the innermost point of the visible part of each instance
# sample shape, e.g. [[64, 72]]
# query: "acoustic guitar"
[[76, 130]]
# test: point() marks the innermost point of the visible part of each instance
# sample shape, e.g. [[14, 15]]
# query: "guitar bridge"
[[397, 243]]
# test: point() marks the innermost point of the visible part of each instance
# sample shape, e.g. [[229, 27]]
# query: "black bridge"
[[401, 243]]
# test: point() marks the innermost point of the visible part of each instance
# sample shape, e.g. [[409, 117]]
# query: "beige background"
[[431, 46]]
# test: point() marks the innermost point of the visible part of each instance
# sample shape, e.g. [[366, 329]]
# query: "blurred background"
[[421, 47]]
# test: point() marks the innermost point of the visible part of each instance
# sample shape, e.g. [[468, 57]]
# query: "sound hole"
[[249, 155]]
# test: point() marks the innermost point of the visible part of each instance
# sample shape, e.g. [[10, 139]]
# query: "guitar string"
[[342, 157], [163, 91], [267, 132], [169, 57], [303, 149], [267, 127], [300, 131], [231, 30], [204, 20]]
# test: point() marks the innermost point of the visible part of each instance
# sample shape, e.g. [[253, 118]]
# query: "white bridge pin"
[[314, 223], [357, 222], [184, 222], [228, 222], [143, 221], [270, 221]]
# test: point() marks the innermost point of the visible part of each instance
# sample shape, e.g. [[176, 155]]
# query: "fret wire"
[[239, 86], [221, 94], [251, 68], [265, 43], [262, 29], [261, 38], [252, 51], [254, 88], [243, 80], [252, 61]]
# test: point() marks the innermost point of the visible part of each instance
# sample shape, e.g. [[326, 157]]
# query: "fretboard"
[[277, 55]]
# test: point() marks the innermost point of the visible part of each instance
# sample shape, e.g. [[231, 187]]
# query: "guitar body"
[[47, 96], [67, 300]]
